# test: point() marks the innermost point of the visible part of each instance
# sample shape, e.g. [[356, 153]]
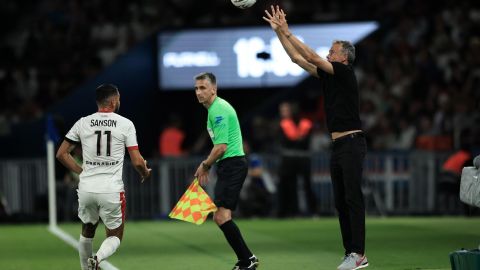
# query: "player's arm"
[[139, 163], [65, 157], [278, 17], [202, 172]]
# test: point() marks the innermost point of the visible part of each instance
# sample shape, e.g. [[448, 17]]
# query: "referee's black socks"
[[235, 239]]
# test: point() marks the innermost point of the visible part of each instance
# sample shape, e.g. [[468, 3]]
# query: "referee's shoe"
[[252, 264]]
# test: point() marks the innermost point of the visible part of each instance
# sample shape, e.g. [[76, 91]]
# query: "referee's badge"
[[210, 132]]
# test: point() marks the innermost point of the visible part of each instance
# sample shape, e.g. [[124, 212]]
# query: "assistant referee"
[[224, 130]]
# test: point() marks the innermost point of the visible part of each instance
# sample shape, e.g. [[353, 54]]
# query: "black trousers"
[[346, 168], [290, 169], [231, 173]]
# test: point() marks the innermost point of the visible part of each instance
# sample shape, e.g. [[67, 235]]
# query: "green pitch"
[[392, 243]]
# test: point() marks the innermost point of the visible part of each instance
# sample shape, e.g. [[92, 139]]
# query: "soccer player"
[[103, 137], [339, 85], [224, 130]]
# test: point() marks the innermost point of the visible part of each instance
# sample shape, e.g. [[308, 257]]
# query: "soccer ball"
[[243, 4]]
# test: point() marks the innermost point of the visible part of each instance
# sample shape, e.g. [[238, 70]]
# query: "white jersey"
[[103, 136]]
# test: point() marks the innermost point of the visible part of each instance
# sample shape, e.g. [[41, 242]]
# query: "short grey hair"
[[348, 49], [206, 76]]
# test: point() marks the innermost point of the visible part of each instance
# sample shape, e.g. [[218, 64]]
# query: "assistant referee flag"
[[194, 206]]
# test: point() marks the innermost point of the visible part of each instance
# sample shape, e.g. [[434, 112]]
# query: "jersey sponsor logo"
[[103, 163], [103, 123], [218, 119]]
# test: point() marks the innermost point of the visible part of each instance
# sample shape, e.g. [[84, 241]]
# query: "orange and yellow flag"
[[194, 206]]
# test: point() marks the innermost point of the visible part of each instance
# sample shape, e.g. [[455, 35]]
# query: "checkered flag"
[[194, 206]]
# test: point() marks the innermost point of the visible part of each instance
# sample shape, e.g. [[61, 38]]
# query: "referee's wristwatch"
[[205, 166]]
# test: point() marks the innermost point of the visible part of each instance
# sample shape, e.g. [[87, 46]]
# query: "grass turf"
[[392, 243]]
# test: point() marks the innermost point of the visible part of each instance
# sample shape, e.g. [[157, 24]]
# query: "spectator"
[[295, 162], [449, 183], [256, 198], [404, 135], [171, 138]]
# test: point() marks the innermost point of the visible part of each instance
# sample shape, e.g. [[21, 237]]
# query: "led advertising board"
[[249, 57]]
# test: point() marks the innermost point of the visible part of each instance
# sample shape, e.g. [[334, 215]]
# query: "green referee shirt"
[[224, 128]]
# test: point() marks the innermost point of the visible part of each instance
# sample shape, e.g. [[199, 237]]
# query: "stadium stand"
[[419, 74]]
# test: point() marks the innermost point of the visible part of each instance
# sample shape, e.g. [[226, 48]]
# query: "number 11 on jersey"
[[99, 138]]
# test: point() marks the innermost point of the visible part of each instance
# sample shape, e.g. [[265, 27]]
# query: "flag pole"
[[52, 196]]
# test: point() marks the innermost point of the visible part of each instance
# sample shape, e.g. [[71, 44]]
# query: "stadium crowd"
[[419, 79], [419, 75]]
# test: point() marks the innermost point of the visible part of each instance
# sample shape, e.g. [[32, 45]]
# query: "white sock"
[[85, 249], [108, 247]]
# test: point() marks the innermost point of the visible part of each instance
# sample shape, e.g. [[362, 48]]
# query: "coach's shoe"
[[253, 264], [353, 261], [92, 263]]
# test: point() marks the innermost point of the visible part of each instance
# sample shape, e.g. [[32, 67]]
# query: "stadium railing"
[[396, 183]]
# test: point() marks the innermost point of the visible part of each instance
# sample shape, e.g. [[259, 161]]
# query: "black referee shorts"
[[231, 174]]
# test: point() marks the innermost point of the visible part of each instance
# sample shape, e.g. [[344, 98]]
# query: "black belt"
[[358, 134]]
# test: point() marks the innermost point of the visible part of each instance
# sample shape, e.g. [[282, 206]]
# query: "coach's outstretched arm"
[[278, 17], [294, 55], [64, 156], [139, 163]]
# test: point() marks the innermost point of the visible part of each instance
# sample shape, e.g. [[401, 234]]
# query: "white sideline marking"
[[67, 238]]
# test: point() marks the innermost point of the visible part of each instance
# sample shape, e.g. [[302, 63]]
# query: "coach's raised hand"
[[271, 19], [277, 19]]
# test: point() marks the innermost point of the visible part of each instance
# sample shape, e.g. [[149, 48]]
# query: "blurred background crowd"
[[419, 75]]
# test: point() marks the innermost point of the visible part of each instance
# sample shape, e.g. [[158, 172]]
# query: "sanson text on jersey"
[[103, 123]]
